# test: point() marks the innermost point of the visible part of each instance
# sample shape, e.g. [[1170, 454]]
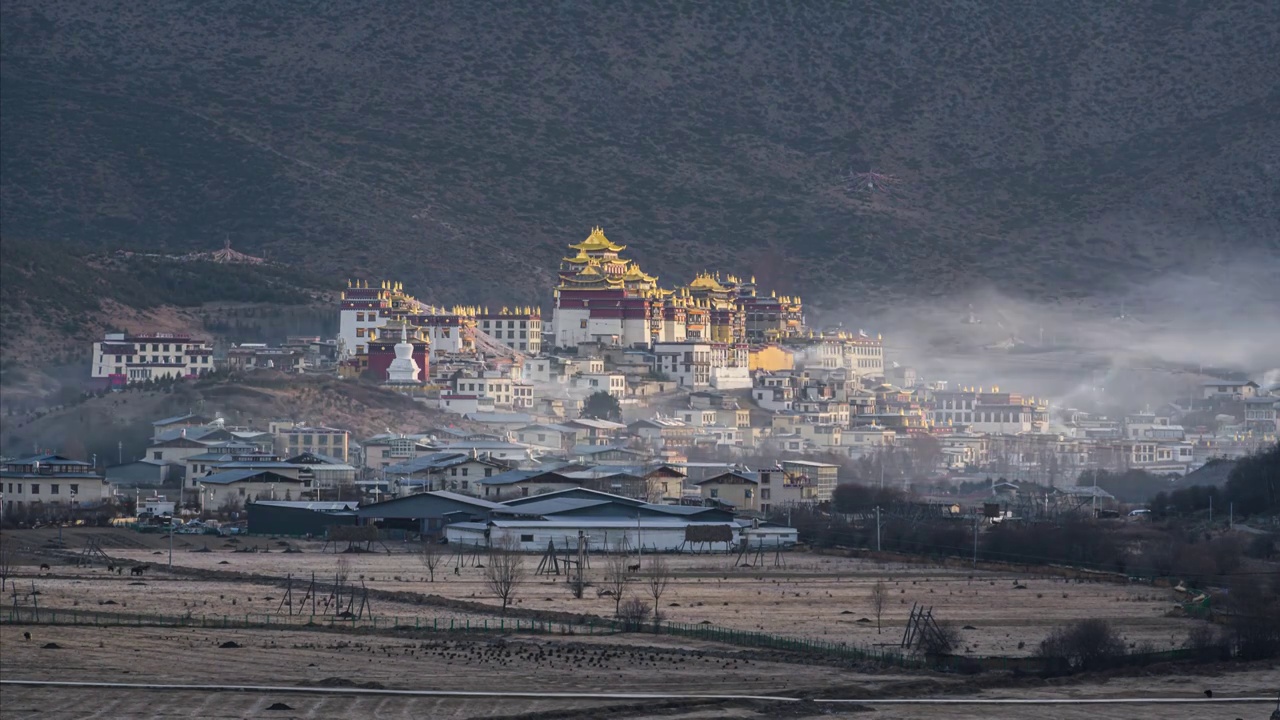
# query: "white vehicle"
[[1139, 512]]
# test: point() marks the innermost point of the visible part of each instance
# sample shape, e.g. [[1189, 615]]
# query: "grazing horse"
[[137, 569], [633, 568]]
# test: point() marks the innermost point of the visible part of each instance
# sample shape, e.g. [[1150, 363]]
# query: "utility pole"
[[975, 540], [1231, 516], [877, 528], [172, 520], [581, 557], [1211, 510]]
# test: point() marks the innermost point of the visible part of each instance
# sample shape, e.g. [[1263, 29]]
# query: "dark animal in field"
[[633, 568], [111, 568], [138, 569], [26, 636], [44, 566]]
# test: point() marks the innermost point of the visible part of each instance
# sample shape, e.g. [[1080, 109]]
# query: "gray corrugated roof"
[[310, 505], [551, 506], [680, 509], [748, 476], [231, 476], [510, 477], [428, 462]]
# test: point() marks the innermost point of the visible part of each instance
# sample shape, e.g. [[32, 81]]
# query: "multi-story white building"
[[490, 385], [124, 358], [613, 383], [295, 439], [51, 479], [688, 363], [518, 328], [857, 353]]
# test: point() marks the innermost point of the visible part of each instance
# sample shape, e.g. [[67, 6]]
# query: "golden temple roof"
[[579, 259], [597, 242], [704, 281]]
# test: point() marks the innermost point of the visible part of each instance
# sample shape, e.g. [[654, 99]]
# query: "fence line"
[[728, 636]]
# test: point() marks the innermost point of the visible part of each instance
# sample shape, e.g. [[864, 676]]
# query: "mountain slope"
[[1049, 149]]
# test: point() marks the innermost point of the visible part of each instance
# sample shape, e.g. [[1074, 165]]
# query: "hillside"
[[1053, 150], [95, 425]]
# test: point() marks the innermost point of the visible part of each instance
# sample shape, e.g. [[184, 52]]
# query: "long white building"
[[124, 358]]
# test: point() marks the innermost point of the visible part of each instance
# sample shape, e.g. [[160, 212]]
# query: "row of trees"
[[1252, 488], [504, 573]]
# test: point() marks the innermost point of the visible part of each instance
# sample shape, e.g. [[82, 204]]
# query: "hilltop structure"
[[604, 297]]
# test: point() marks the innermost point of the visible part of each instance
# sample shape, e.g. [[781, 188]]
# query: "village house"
[[596, 432], [235, 488], [663, 433], [1216, 389], [522, 483], [295, 439], [380, 451], [177, 422], [454, 471], [548, 438], [327, 473], [259, 356], [51, 479]]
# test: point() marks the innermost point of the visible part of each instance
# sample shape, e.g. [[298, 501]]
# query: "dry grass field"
[[622, 664], [811, 596]]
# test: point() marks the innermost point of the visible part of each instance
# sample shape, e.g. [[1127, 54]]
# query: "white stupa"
[[404, 369]]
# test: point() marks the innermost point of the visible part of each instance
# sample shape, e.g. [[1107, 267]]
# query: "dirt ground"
[[629, 664], [808, 596]]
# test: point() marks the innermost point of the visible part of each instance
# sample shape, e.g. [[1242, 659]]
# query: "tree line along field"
[[806, 595]]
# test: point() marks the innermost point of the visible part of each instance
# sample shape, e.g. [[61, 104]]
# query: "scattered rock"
[[279, 706], [51, 646], [863, 620], [230, 644], [968, 627], [224, 562]]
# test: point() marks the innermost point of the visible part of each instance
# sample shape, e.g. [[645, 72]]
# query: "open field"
[[300, 659], [811, 596]]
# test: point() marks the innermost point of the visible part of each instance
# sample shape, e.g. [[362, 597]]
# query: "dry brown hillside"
[[1054, 149], [95, 425]]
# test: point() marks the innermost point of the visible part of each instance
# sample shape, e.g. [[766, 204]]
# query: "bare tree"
[[879, 597], [633, 613], [431, 557], [504, 571], [615, 575], [342, 570], [6, 565], [656, 578]]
